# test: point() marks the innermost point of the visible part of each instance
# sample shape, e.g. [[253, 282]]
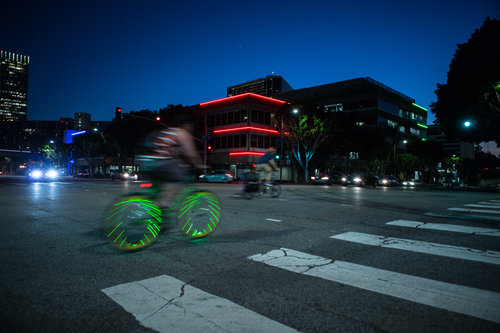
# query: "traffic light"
[[158, 118], [209, 147]]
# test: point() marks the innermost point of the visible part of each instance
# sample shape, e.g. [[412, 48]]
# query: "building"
[[13, 86], [238, 130], [369, 102], [453, 147], [82, 121], [268, 86]]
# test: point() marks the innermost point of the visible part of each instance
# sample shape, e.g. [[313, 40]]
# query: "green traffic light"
[[466, 123]]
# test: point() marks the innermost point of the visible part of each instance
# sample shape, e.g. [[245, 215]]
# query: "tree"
[[90, 147], [305, 132], [472, 89]]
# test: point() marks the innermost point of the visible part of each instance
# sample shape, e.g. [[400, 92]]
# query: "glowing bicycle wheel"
[[199, 214], [132, 223]]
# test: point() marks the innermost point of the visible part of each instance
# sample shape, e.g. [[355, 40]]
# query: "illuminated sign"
[[69, 134], [235, 129], [241, 153]]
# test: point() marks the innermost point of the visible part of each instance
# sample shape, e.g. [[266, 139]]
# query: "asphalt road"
[[316, 259]]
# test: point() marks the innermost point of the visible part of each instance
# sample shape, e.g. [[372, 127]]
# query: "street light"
[[467, 123]]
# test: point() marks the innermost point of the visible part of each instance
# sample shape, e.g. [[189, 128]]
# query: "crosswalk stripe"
[[491, 257], [494, 204], [474, 210], [482, 206], [474, 302], [446, 227], [167, 304]]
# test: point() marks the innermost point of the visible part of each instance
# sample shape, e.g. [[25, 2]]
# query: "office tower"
[[268, 86], [13, 86]]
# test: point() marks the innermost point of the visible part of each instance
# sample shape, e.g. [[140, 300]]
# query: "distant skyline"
[[95, 55]]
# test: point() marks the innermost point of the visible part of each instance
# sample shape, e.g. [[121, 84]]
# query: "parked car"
[[322, 179], [388, 181], [360, 179], [216, 176]]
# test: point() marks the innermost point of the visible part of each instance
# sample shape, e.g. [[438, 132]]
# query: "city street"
[[316, 259]]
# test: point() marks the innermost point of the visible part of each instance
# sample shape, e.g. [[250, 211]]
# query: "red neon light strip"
[[242, 96], [246, 128], [239, 153]]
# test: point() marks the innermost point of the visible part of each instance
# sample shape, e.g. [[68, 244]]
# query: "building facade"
[[268, 86], [451, 146], [238, 130], [13, 86], [369, 103]]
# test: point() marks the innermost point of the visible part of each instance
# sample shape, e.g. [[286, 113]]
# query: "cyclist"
[[173, 152], [266, 165]]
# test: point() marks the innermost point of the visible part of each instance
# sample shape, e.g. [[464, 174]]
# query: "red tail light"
[[146, 185]]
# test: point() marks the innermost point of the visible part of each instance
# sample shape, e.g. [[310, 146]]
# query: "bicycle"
[[135, 220], [253, 186]]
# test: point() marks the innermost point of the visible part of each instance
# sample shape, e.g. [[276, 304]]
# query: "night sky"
[[90, 56]]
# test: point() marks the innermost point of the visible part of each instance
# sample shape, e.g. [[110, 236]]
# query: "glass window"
[[230, 140], [243, 140], [230, 118], [267, 118], [224, 119], [253, 140], [253, 116], [223, 142], [260, 141], [218, 120], [244, 116]]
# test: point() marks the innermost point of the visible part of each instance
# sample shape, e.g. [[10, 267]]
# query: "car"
[[337, 176], [360, 179], [411, 182], [124, 175], [42, 175], [322, 179], [216, 176], [388, 181]]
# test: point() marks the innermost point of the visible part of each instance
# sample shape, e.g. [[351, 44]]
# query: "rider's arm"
[[272, 163], [187, 143]]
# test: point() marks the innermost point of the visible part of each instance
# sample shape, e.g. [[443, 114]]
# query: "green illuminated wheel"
[[132, 223], [199, 214]]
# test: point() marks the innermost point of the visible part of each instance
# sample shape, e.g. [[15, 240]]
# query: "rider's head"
[[271, 150]]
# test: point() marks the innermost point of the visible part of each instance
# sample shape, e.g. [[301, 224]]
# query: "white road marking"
[[489, 203], [447, 227], [166, 304], [491, 257], [473, 302], [273, 220], [475, 210], [482, 206]]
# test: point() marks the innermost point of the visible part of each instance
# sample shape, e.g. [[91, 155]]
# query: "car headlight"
[[126, 175], [36, 174], [51, 174], [325, 178], [358, 180], [344, 179], [384, 181]]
